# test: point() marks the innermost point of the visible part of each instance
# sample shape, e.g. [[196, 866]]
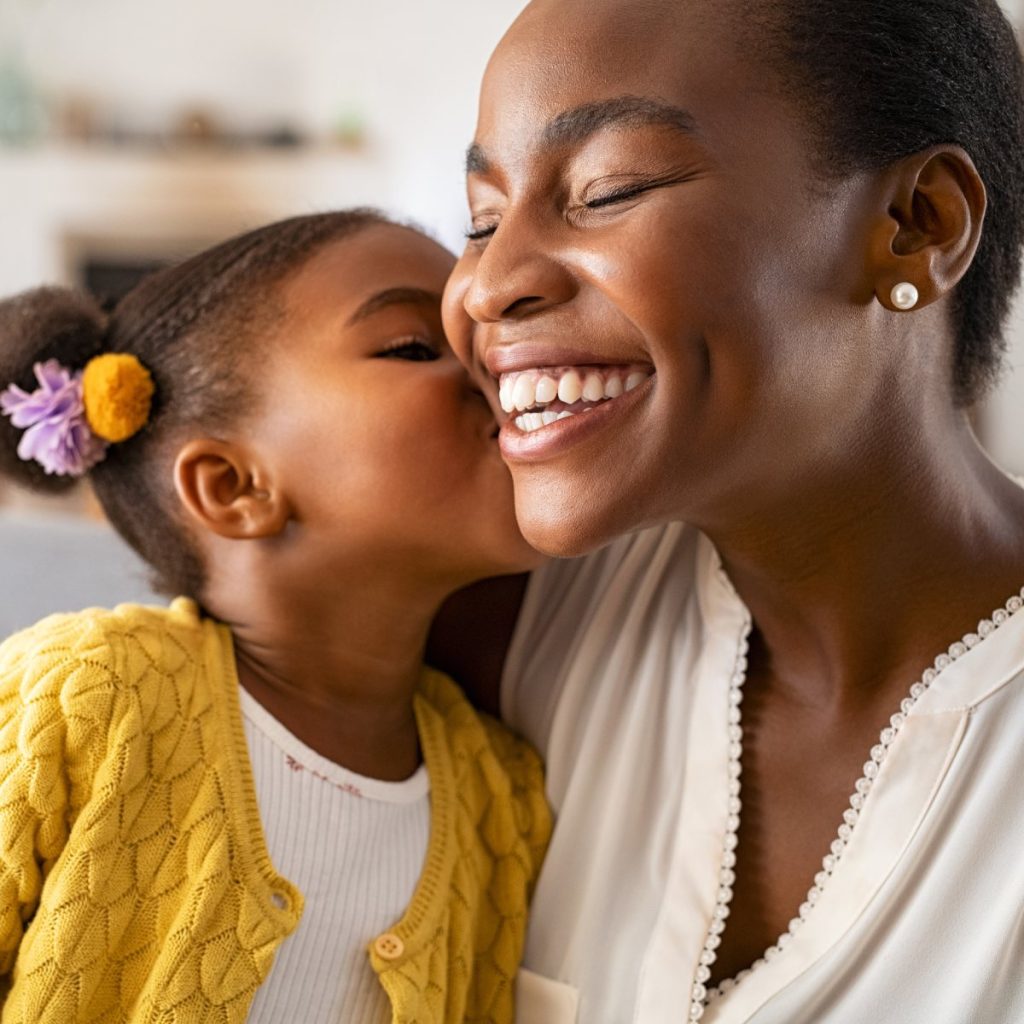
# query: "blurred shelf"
[[58, 200], [161, 178]]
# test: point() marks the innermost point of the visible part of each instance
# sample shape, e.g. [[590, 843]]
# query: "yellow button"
[[389, 947]]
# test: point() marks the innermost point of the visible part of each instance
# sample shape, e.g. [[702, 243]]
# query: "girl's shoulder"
[[92, 656], [72, 635]]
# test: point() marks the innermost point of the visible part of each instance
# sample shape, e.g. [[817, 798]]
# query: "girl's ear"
[[227, 491]]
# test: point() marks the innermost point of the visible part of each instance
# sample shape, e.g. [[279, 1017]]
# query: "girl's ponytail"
[[36, 327]]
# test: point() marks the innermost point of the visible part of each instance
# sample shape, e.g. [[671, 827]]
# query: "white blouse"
[[621, 671]]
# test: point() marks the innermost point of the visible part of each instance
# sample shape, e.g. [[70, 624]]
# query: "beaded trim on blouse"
[[700, 995]]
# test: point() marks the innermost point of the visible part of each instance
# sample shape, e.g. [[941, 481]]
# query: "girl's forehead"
[[346, 273]]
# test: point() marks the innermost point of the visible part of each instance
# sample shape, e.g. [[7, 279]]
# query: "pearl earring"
[[904, 296]]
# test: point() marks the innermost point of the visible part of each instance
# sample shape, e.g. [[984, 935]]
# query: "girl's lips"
[[554, 439]]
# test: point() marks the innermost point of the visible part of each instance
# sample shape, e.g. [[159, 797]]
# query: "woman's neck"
[[855, 587], [337, 666]]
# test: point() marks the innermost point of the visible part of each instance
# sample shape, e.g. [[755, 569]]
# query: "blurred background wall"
[[290, 105], [134, 131]]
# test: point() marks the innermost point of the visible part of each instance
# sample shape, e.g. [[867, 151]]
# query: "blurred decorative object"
[[22, 115], [193, 128], [350, 129], [74, 119], [197, 126], [283, 136]]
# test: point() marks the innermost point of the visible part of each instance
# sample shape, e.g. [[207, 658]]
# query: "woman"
[[745, 270]]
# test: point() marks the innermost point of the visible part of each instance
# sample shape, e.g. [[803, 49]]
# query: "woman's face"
[[656, 277], [384, 448]]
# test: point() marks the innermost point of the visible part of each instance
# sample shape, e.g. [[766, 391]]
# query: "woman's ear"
[[225, 490], [930, 231]]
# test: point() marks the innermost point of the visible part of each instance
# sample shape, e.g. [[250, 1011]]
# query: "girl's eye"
[[479, 234], [412, 349]]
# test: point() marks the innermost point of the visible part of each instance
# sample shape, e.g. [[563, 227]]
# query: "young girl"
[[257, 804]]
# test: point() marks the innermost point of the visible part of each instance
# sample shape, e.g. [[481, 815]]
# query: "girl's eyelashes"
[[478, 234], [415, 350]]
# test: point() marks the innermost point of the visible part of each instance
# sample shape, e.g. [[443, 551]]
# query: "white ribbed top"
[[355, 847]]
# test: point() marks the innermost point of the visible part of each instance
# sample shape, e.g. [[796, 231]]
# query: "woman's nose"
[[516, 275]]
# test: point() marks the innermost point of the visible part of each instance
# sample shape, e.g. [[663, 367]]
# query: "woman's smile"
[[552, 408], [543, 390]]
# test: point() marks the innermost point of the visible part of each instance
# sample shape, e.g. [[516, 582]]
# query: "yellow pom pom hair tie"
[[117, 391]]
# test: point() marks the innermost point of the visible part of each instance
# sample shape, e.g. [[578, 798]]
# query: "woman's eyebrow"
[[394, 297], [575, 126]]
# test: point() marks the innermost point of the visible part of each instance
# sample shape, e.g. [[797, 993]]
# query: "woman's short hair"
[[879, 80]]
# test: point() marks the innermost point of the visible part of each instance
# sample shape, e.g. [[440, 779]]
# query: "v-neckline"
[[924, 739]]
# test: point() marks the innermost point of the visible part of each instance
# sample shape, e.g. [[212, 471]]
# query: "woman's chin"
[[561, 529]]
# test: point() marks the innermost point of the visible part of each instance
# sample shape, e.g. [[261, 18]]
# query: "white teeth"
[[531, 421], [570, 387], [505, 394], [535, 389], [524, 394], [565, 415], [547, 390], [593, 388]]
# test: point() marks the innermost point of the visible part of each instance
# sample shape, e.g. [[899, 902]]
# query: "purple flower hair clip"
[[57, 433]]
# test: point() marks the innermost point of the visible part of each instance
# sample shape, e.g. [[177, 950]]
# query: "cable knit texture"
[[135, 883]]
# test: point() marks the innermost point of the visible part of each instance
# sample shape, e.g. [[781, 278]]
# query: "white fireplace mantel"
[[55, 201]]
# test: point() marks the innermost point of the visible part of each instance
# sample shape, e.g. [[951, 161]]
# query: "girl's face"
[[386, 451], [654, 269]]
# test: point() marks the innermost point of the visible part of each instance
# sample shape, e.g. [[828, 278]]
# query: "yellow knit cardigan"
[[135, 883]]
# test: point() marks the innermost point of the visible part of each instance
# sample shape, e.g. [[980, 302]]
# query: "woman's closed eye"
[[416, 350], [610, 196], [608, 191], [620, 195]]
